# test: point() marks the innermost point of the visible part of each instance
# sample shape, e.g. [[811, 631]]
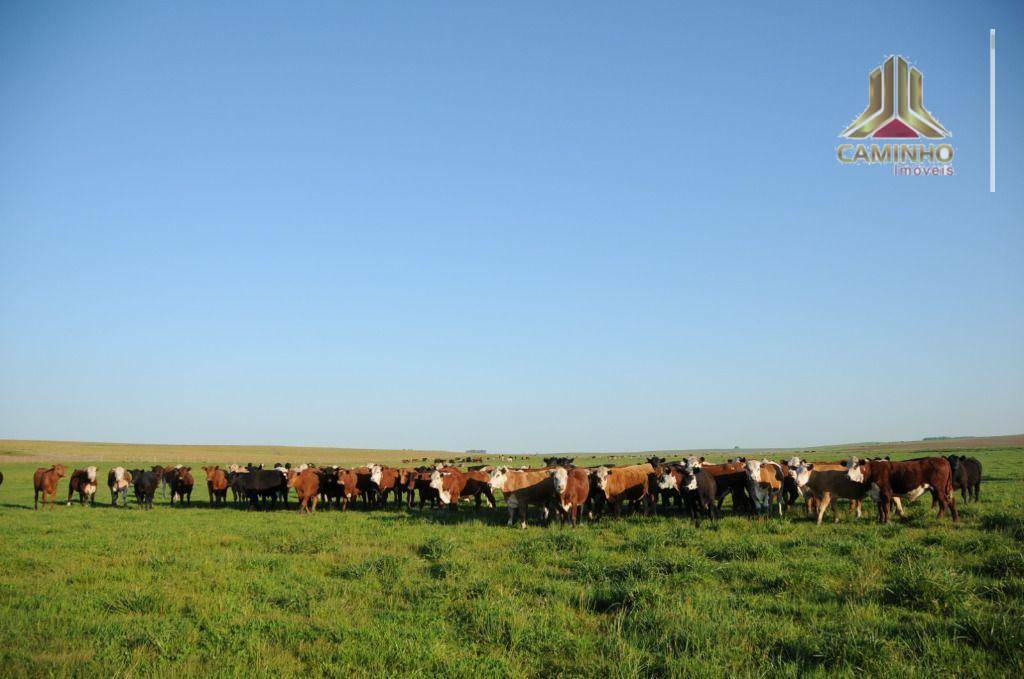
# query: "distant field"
[[200, 592]]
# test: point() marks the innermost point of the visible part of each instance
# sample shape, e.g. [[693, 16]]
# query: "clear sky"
[[525, 226]]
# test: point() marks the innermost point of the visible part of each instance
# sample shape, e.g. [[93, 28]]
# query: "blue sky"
[[523, 227]]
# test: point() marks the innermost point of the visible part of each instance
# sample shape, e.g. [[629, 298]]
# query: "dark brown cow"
[[908, 479], [182, 484], [83, 482], [419, 482], [572, 488], [307, 487], [626, 483], [216, 485], [45, 481]]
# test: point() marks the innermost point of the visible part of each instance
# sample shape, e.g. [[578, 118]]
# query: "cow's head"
[[437, 478], [498, 476], [601, 474], [857, 469], [668, 480], [376, 474], [693, 462], [753, 470], [211, 472], [60, 470], [802, 473], [561, 477], [794, 462], [688, 478]]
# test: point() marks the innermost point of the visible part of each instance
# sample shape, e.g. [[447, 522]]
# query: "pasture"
[[224, 592]]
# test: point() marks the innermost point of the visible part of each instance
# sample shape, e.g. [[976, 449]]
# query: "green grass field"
[[202, 592]]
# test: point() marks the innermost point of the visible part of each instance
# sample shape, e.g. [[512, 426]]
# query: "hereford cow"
[[118, 481], [764, 484], [452, 485], [45, 481], [827, 486], [572, 488], [966, 476], [146, 483], [908, 479], [386, 481], [307, 487], [166, 474], [216, 485], [521, 489], [632, 483], [83, 482]]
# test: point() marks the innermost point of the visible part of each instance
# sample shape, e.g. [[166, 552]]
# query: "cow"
[[182, 484], [118, 481], [572, 488], [826, 486], [452, 484], [521, 489], [330, 488], [262, 485], [367, 488], [235, 475], [631, 482], [419, 482], [559, 461], [166, 474], [348, 480], [966, 476], [45, 481], [764, 483], [216, 485], [386, 481], [699, 491], [307, 487], [908, 479], [146, 483], [83, 482]]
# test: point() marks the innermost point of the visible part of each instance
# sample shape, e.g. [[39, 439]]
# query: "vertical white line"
[[992, 111]]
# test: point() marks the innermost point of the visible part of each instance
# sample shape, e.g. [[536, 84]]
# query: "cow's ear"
[[702, 458], [810, 466], [888, 459], [845, 463]]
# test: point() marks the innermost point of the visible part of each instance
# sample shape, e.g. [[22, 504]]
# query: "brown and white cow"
[[216, 485], [572, 488], [83, 482], [45, 481], [119, 480], [386, 481], [307, 488], [908, 479], [764, 484], [452, 485], [631, 482], [826, 486], [521, 489]]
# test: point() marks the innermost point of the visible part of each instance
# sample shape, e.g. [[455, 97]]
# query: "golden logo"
[[895, 106]]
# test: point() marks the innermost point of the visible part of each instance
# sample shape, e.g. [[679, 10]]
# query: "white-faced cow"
[[908, 479]]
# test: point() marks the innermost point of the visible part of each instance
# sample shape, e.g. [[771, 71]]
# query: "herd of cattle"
[[755, 486]]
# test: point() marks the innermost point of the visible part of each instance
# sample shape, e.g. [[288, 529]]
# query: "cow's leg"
[[823, 503], [71, 491], [899, 507], [37, 498]]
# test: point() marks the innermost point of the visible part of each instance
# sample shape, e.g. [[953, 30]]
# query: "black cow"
[[966, 476], [330, 489], [145, 484], [699, 491], [260, 485]]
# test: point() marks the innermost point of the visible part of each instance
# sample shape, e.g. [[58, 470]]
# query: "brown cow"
[[83, 482], [182, 484], [826, 486], [45, 481], [764, 483], [166, 475], [307, 487], [216, 485], [348, 479], [908, 479], [572, 488], [521, 489], [626, 483]]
